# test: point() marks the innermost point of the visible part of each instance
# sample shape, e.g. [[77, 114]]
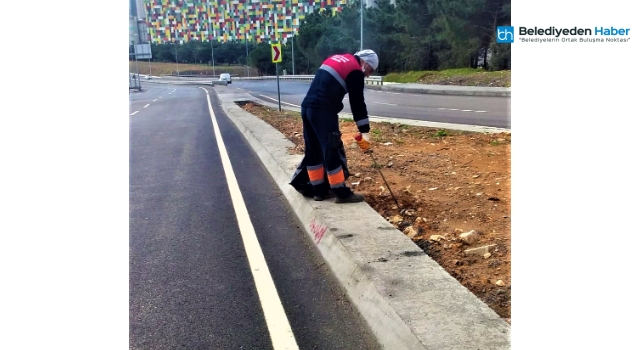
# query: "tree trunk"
[[493, 36]]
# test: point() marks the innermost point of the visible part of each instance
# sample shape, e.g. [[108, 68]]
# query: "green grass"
[[408, 77], [458, 76], [457, 71], [162, 68], [376, 135]]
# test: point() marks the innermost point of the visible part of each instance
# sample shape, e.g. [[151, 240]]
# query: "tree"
[[185, 53], [500, 56], [414, 18], [311, 31], [260, 58], [493, 13], [383, 36]]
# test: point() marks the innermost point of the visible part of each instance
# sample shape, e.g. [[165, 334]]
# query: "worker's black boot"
[[353, 198], [345, 195], [320, 192]]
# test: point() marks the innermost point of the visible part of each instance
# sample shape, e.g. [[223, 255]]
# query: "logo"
[[504, 35]]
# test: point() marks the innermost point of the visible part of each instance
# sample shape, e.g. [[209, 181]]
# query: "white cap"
[[368, 56]]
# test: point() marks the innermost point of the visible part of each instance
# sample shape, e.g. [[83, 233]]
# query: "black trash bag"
[[300, 179]]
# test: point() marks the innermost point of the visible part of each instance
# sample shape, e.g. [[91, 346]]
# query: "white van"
[[226, 77]]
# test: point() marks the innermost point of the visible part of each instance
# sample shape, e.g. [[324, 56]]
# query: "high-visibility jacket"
[[339, 75]]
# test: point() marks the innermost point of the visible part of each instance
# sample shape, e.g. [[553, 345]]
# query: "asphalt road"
[[190, 283], [468, 110]]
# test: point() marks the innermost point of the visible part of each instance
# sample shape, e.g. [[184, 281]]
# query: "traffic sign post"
[[276, 56], [276, 53]]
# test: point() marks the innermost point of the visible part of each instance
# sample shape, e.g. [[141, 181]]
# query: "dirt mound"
[[447, 183]]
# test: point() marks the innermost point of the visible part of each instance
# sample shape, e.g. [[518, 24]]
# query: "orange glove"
[[363, 141]]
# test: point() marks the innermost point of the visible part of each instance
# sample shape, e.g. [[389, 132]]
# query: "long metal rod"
[[293, 58], [383, 179]]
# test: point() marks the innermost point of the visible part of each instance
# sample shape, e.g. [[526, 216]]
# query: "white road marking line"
[[155, 100], [461, 110], [290, 104], [146, 105], [133, 113], [287, 103], [382, 103], [279, 328]]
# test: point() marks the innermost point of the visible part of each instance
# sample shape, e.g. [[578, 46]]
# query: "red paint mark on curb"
[[318, 230]]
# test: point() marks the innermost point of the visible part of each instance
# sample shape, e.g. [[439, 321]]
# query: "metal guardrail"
[[375, 80], [283, 77]]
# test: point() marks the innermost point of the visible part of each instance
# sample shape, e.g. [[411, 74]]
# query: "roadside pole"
[[135, 54], [246, 59], [276, 56], [176, 45], [213, 62], [278, 79]]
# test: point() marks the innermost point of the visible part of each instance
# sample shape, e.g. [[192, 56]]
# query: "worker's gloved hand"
[[363, 141]]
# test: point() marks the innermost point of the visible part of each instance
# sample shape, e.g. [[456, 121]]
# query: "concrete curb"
[[407, 299], [428, 124]]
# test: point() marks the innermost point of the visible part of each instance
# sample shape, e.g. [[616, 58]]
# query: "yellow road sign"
[[276, 53]]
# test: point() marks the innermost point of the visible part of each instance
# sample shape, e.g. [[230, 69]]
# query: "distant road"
[[468, 110]]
